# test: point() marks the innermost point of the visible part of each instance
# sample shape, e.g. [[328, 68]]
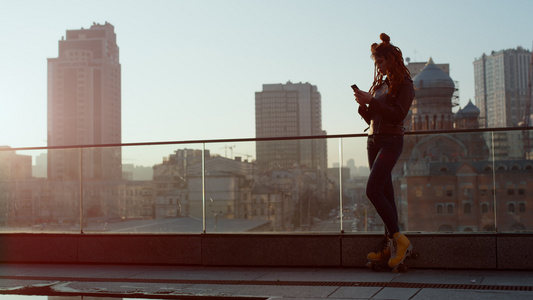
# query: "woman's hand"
[[362, 97]]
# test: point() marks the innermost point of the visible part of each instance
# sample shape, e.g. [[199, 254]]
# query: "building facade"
[[289, 110], [501, 81], [449, 181], [84, 105]]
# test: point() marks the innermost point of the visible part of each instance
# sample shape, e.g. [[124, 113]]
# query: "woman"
[[384, 109]]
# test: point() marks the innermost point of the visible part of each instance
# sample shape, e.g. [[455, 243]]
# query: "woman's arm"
[[363, 111], [363, 98], [395, 111]]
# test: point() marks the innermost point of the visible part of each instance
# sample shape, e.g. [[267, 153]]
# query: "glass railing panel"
[[284, 190], [147, 193], [358, 214], [441, 183], [231, 179], [448, 182], [30, 200], [513, 174]]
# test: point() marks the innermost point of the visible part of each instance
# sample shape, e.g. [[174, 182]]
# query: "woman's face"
[[382, 64]]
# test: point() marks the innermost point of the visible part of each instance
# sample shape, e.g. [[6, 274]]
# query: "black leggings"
[[383, 153]]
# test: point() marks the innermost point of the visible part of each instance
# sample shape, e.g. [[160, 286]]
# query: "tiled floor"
[[171, 282]]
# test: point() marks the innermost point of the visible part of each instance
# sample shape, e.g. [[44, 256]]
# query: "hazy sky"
[[190, 68]]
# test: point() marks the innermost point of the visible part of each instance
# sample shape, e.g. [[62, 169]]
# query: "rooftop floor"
[[193, 282]]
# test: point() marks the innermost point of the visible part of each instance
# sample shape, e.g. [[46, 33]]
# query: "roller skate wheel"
[[400, 269], [377, 268]]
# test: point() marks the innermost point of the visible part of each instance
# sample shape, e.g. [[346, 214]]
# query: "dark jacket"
[[386, 113]]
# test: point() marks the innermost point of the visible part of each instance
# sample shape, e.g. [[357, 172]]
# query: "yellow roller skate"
[[401, 248], [378, 259]]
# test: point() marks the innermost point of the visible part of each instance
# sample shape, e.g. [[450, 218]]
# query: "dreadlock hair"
[[397, 71]]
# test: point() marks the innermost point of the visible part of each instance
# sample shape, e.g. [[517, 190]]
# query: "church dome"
[[433, 82], [470, 110]]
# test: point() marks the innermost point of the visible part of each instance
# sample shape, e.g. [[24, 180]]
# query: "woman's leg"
[[383, 152], [388, 192]]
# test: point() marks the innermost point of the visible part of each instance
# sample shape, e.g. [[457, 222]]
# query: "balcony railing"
[[445, 181]]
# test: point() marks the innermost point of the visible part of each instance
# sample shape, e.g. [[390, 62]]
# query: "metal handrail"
[[213, 141]]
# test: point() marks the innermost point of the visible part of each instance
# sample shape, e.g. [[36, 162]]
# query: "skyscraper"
[[501, 80], [289, 110], [84, 104]]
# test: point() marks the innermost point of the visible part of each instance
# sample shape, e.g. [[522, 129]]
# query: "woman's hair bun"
[[385, 38]]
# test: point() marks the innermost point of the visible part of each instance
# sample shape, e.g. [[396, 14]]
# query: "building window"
[[521, 189], [511, 207], [510, 190], [483, 189], [449, 191], [439, 209], [439, 191], [522, 207], [449, 208], [467, 208], [418, 191], [467, 192], [484, 208]]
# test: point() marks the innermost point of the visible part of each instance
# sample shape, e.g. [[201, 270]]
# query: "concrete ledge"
[[515, 251], [455, 251], [451, 251], [145, 249], [37, 248], [271, 250]]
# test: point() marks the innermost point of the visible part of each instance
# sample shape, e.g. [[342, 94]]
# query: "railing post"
[[494, 184], [81, 189], [340, 186], [203, 190]]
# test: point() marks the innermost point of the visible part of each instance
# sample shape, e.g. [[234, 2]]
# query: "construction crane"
[[230, 148], [248, 156]]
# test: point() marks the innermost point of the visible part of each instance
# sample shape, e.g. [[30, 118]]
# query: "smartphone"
[[354, 87]]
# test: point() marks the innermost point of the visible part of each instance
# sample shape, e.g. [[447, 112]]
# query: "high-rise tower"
[[289, 110], [501, 81], [84, 104]]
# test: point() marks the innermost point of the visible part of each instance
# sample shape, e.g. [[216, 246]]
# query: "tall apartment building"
[[289, 110], [501, 81], [84, 104]]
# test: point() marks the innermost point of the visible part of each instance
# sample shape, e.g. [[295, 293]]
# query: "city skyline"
[[190, 69]]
